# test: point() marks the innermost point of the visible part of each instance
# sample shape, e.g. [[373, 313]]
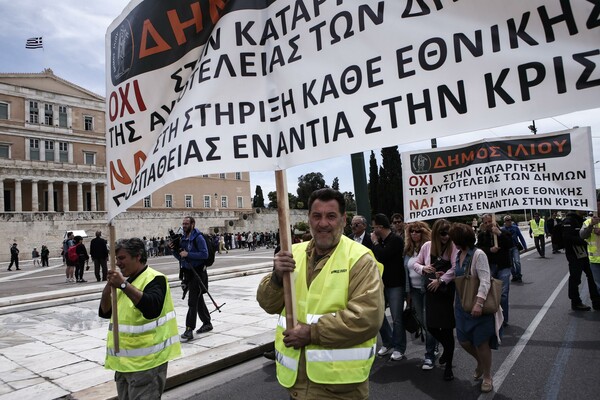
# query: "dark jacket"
[[390, 253], [367, 242], [98, 248], [82, 253], [485, 241], [195, 245], [575, 246]]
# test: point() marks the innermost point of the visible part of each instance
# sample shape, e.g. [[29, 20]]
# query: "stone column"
[[18, 196], [65, 196], [1, 195], [50, 196], [93, 195], [34, 196], [79, 196]]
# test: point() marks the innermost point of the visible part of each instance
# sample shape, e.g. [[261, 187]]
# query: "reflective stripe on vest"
[[592, 241], [353, 354], [144, 351], [537, 230], [324, 365], [143, 344], [146, 327]]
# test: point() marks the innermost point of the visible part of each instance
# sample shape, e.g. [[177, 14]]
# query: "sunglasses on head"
[[443, 233]]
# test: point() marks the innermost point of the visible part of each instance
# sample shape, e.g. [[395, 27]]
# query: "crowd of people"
[[421, 263]]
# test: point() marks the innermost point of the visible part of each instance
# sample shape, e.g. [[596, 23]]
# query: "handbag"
[[467, 287], [411, 323]]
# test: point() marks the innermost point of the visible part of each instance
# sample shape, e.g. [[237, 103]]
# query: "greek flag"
[[34, 43]]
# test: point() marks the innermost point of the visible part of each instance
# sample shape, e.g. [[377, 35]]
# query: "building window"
[[34, 149], [34, 112], [169, 200], [63, 151], [88, 123], [3, 111], [240, 202], [49, 150], [189, 201], [223, 201], [147, 201], [62, 116], [206, 201], [222, 176], [238, 176], [48, 114], [89, 158], [4, 152]]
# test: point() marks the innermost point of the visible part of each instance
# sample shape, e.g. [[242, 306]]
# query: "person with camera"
[[191, 251]]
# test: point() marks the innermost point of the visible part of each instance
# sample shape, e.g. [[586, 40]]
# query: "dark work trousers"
[[196, 303], [79, 270], [576, 267], [14, 260], [540, 245], [100, 263]]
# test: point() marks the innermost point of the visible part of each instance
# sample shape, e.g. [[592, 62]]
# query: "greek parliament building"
[[53, 173]]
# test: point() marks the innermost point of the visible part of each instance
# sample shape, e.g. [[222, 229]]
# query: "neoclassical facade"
[[52, 152], [53, 160]]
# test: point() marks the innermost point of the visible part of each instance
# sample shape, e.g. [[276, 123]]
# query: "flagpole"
[[285, 242], [113, 290]]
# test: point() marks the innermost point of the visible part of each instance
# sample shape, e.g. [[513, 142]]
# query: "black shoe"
[[18, 269], [443, 359], [269, 354], [187, 335], [205, 328], [448, 375], [82, 281], [9, 269], [580, 307]]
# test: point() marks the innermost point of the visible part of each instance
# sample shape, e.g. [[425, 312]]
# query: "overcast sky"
[[73, 33]]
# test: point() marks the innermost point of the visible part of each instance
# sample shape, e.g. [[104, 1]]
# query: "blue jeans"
[[516, 262], [418, 302], [504, 275], [394, 337]]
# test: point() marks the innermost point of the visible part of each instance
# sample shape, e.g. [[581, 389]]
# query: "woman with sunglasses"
[[476, 332], [436, 262], [417, 233]]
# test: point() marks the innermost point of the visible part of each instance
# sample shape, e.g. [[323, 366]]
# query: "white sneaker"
[[427, 365], [384, 351], [397, 356]]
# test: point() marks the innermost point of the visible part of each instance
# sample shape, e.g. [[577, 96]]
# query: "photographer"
[[191, 251]]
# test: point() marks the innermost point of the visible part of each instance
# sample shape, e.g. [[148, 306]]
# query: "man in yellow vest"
[[148, 336], [537, 231], [339, 298], [591, 233]]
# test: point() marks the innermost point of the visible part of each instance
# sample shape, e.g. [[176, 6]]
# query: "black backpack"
[[211, 250]]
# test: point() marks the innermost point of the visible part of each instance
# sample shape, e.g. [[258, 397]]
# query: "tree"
[[390, 182], [292, 200], [336, 184], [349, 200], [307, 184], [373, 185], [258, 200]]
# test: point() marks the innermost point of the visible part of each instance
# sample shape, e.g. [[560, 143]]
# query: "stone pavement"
[[57, 352]]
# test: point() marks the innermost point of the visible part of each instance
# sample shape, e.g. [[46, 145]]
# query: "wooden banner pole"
[[113, 291], [285, 241], [494, 224]]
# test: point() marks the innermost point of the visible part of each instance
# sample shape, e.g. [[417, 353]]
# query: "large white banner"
[[199, 87], [552, 171]]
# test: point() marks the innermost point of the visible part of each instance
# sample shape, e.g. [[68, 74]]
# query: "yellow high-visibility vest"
[[593, 248], [143, 344], [537, 228], [328, 293]]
